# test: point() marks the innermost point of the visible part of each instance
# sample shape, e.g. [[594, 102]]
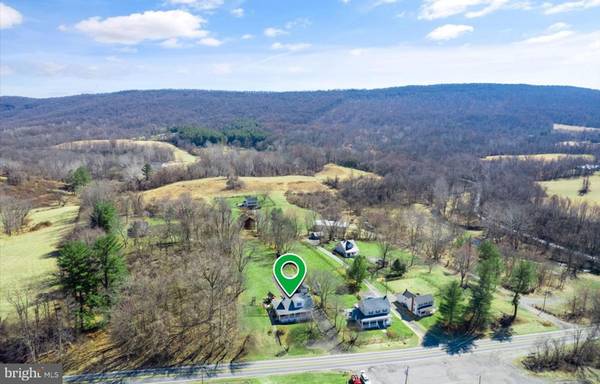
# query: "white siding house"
[[347, 248], [419, 305]]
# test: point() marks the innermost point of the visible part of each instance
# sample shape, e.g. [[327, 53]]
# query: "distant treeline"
[[243, 133]]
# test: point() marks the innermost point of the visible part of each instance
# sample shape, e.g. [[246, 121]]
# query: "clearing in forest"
[[215, 186], [27, 259], [540, 157], [573, 128], [331, 171], [179, 155], [570, 188]]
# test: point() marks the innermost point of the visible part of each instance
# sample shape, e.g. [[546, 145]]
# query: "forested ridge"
[[462, 112]]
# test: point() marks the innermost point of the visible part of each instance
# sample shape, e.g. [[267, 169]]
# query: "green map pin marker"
[[289, 284]]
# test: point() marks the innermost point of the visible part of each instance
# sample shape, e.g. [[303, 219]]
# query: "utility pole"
[[406, 375], [546, 293]]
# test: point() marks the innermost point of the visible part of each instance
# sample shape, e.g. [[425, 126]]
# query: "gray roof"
[[418, 298], [287, 305], [375, 303]]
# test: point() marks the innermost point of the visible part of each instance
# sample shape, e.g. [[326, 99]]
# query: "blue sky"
[[64, 47]]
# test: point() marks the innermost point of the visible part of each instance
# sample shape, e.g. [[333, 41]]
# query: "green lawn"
[[398, 335], [419, 280], [305, 378], [273, 200], [253, 317], [26, 259], [371, 251], [526, 321]]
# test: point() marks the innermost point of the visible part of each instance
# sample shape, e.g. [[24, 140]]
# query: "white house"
[[295, 309], [420, 305], [371, 312], [347, 248]]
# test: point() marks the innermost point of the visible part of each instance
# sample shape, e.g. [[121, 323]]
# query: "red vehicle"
[[355, 380]]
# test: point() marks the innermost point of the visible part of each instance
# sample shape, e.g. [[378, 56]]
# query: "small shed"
[[250, 202]]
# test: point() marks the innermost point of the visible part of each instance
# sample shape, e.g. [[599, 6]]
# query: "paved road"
[[388, 360]]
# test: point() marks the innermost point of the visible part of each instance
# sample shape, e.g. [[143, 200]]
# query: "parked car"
[[364, 379], [354, 380]]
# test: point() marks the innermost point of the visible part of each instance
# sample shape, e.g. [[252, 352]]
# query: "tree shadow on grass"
[[452, 343], [503, 331]]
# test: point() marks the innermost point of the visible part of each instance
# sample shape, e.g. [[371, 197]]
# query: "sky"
[[54, 48]]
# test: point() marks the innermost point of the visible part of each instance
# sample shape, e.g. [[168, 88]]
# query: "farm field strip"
[[573, 128], [180, 156], [215, 186], [570, 188], [541, 157], [26, 259]]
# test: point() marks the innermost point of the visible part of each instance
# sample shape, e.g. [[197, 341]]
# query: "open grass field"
[[573, 128], [540, 157], [26, 259], [570, 187], [179, 155], [304, 378], [331, 171], [215, 186]]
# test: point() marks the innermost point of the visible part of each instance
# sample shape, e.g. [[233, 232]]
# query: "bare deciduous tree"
[[14, 213]]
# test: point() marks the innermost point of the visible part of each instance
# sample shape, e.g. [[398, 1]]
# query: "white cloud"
[[5, 70], [210, 42], [345, 1], [51, 68], [274, 32], [299, 22], [378, 3], [437, 9], [238, 12], [357, 51], [222, 68], [290, 47], [128, 49], [296, 69], [203, 5], [549, 37], [571, 6], [560, 26], [555, 32], [9, 17], [247, 36], [171, 43], [137, 27], [449, 31]]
